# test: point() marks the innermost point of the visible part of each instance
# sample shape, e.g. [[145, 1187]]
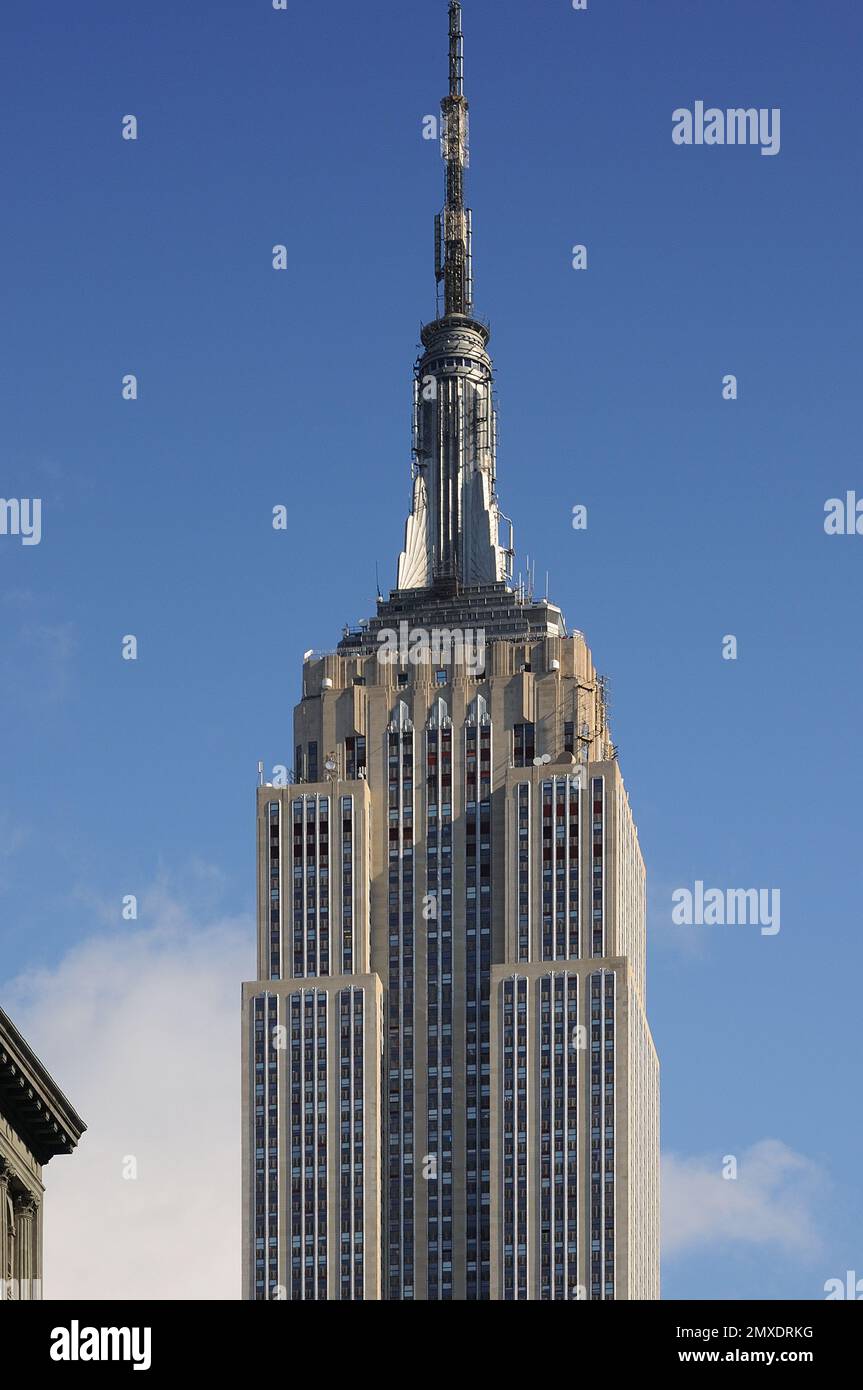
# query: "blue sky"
[[259, 388]]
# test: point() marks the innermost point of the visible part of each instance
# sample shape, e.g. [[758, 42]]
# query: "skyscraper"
[[450, 1090]]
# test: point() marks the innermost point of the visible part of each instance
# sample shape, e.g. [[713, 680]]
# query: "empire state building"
[[450, 1090]]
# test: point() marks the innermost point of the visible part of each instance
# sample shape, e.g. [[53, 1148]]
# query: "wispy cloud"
[[13, 838], [773, 1201], [48, 650]]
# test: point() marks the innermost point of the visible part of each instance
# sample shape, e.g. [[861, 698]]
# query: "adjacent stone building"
[[36, 1122]]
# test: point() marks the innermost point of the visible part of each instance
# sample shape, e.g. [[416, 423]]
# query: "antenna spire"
[[456, 51], [453, 225], [452, 537]]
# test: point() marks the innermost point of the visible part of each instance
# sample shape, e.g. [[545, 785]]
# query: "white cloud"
[[140, 1027], [771, 1202]]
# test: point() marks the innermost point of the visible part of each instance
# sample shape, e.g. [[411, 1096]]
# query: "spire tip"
[[456, 51]]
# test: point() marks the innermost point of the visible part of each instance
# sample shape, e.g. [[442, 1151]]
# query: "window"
[[524, 746], [355, 757]]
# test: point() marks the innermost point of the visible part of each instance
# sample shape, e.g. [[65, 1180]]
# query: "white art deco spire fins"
[[452, 534]]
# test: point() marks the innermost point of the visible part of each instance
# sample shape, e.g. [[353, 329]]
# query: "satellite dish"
[[537, 762], [330, 763]]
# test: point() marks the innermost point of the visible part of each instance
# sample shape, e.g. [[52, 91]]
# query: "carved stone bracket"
[[26, 1205]]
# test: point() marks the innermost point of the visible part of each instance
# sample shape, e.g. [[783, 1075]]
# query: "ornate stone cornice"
[[32, 1101]]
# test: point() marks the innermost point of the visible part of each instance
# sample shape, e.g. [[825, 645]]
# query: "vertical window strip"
[[264, 1021], [560, 864], [400, 1265], [602, 1135], [352, 1142], [317, 1009], [558, 1147], [509, 1163], [310, 1204], [485, 913], [347, 923], [346, 1161], [259, 1143], [298, 866], [298, 1166], [573, 1054], [310, 943], [355, 757], [477, 791], [559, 1059], [358, 1134], [439, 1006], [524, 745], [522, 1137], [434, 851], [311, 885], [597, 886], [523, 869], [272, 1068], [608, 1134], [309, 1145], [444, 1040], [573, 785], [547, 792], [546, 1138], [274, 887]]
